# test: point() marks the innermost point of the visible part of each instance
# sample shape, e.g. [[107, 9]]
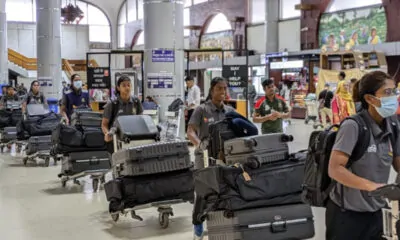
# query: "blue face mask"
[[78, 84], [388, 107]]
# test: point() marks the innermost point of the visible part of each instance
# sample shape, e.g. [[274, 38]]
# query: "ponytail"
[[356, 92]]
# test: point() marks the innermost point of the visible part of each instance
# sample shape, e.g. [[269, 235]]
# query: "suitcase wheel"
[[115, 217], [253, 163], [95, 183], [46, 162], [163, 220]]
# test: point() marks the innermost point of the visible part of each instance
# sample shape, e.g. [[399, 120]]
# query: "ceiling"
[[111, 8]]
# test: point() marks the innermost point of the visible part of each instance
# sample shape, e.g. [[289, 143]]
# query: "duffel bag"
[[128, 192], [5, 118], [67, 136], [16, 116], [93, 137], [42, 125], [269, 181]]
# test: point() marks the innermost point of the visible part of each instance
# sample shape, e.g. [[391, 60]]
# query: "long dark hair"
[[32, 83], [369, 84], [73, 76], [121, 79], [213, 83]]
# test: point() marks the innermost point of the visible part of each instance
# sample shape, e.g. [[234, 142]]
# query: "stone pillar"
[[164, 56], [48, 16], [271, 26], [3, 44]]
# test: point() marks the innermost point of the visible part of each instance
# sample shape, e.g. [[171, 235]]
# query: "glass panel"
[[257, 11], [188, 3], [121, 36], [140, 40], [337, 5], [122, 15], [219, 23], [199, 1], [132, 10], [287, 9], [99, 34], [140, 9], [96, 16], [186, 21], [20, 11]]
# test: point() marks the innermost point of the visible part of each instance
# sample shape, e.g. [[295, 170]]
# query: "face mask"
[[388, 107], [78, 84]]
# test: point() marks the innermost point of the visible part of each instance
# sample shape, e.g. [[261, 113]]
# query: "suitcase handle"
[[94, 161], [279, 226]]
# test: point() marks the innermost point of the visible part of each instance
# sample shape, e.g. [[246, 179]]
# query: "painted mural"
[[353, 27], [223, 40]]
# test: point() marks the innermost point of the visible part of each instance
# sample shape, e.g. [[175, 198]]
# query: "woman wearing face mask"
[[351, 213], [76, 97], [342, 103]]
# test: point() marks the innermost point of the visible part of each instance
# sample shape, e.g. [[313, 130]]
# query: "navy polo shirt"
[[75, 99]]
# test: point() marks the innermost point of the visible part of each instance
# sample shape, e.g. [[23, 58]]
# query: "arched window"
[[338, 5], [99, 25], [219, 23], [140, 40]]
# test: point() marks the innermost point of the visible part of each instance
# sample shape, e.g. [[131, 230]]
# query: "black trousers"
[[350, 225], [189, 115], [110, 147]]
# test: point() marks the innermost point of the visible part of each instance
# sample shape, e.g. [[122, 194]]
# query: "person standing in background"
[[251, 94], [325, 102], [341, 76], [193, 98], [342, 104]]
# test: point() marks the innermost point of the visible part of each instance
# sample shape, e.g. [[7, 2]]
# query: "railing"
[[30, 64]]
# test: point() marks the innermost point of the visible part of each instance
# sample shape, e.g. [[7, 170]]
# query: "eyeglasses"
[[392, 92]]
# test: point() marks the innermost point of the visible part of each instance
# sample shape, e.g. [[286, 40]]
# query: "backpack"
[[41, 99], [115, 109], [174, 107], [317, 184]]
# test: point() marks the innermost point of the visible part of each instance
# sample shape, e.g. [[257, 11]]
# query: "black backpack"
[[115, 109], [174, 107], [317, 184]]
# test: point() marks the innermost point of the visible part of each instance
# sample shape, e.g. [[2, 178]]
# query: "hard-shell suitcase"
[[40, 143], [136, 127], [78, 162], [257, 150], [36, 110], [86, 118], [293, 222], [219, 132], [128, 192], [153, 158], [9, 134]]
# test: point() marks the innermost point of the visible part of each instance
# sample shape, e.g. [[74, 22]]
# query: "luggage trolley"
[[39, 147], [96, 166], [312, 113], [163, 207]]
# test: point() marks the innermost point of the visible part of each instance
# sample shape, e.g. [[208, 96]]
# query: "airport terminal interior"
[[196, 119]]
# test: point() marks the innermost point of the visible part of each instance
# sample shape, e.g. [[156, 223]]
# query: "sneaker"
[[198, 232]]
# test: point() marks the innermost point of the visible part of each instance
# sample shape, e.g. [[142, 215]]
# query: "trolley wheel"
[[76, 181], [315, 126], [95, 184], [47, 162], [306, 121], [163, 220], [115, 217], [25, 160], [63, 183], [103, 179]]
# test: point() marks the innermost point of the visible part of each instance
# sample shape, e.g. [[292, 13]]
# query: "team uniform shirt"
[[266, 108], [75, 99]]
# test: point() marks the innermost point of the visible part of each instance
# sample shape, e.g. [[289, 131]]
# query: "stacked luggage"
[[8, 123], [258, 194], [36, 128], [147, 172], [83, 149]]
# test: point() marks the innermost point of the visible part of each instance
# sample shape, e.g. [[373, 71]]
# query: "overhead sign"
[[264, 58], [163, 55], [160, 80], [287, 65], [237, 75], [98, 77]]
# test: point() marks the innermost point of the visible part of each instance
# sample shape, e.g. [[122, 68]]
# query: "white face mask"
[[78, 84]]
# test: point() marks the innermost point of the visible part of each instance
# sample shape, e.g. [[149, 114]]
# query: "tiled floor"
[[33, 206]]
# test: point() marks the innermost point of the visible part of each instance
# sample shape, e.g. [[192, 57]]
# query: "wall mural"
[[353, 27], [222, 40]]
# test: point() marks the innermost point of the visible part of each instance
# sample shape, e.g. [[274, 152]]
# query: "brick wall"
[[310, 19], [201, 13]]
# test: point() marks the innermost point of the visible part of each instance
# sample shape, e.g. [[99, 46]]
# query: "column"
[[3, 44], [271, 26], [48, 33], [164, 57]]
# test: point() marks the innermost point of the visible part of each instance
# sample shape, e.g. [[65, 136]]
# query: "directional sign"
[[163, 55], [237, 75]]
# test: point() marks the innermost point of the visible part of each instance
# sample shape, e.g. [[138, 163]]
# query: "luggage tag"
[[205, 158], [246, 176]]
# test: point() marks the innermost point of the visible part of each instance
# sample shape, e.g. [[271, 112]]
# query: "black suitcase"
[[293, 222], [9, 134], [87, 119], [136, 127], [89, 161], [16, 116], [269, 181], [39, 143], [128, 192], [257, 150], [219, 132], [151, 159]]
